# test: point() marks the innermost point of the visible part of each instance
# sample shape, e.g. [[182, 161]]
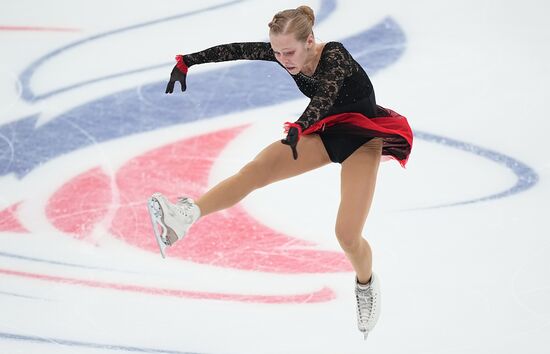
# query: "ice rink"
[[460, 237]]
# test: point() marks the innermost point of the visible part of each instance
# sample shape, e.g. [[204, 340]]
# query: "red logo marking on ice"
[[324, 294], [38, 29], [81, 203], [9, 221], [231, 239]]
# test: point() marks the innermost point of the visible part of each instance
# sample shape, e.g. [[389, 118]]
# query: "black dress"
[[342, 110]]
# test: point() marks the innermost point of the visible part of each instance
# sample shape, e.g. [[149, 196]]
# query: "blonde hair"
[[298, 21]]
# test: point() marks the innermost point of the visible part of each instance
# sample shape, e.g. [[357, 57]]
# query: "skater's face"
[[290, 52]]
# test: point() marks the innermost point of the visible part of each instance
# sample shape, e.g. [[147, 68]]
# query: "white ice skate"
[[368, 304], [171, 221]]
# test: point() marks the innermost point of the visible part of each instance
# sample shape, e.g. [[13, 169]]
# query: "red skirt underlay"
[[392, 127]]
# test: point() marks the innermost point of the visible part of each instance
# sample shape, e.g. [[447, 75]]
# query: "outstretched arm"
[[231, 51], [219, 53]]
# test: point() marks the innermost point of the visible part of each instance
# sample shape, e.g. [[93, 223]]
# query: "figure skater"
[[341, 124]]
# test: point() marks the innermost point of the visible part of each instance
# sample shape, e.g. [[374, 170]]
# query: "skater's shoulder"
[[335, 49], [334, 45], [336, 55]]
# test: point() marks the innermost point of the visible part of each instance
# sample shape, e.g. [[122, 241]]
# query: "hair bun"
[[308, 11], [298, 21]]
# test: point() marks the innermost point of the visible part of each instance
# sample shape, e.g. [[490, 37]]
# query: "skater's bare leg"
[[358, 180], [274, 163]]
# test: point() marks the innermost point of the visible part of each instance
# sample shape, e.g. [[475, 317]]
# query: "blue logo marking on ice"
[[86, 345]]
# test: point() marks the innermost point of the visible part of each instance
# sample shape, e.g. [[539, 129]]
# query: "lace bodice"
[[338, 85]]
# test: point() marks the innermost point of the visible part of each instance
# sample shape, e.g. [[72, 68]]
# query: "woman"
[[341, 124]]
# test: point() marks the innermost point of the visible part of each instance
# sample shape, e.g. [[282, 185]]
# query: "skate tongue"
[[190, 205], [185, 200]]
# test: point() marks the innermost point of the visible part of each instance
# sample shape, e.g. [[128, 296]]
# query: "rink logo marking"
[[233, 239], [10, 222], [327, 7], [38, 29], [52, 262], [27, 74], [73, 343], [526, 177], [5, 293], [321, 295]]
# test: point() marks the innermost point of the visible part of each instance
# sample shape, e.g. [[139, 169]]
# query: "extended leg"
[[272, 164], [172, 221]]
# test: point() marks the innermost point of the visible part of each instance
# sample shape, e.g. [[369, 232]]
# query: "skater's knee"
[[349, 240]]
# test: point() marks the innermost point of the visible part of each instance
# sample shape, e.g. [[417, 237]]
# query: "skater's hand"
[[292, 138], [179, 73]]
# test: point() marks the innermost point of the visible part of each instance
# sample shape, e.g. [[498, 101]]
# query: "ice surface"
[[460, 237]]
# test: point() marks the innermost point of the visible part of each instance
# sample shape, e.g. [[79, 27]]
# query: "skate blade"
[[365, 335], [155, 212]]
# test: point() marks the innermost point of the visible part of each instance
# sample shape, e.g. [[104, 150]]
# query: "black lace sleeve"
[[231, 51], [334, 66]]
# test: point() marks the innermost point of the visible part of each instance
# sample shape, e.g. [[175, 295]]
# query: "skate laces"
[[184, 206], [365, 303]]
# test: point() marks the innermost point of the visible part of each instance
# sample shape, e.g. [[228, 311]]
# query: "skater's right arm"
[[231, 51], [219, 53]]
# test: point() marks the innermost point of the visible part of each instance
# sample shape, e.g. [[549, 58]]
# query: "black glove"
[[179, 73], [291, 140]]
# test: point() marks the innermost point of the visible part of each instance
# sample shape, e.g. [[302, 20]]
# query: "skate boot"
[[171, 221], [368, 304]]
